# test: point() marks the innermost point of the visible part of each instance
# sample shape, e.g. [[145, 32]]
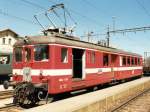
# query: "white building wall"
[[13, 40], [0, 41], [7, 47]]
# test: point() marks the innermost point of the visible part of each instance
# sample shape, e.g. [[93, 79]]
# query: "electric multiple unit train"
[[45, 66]]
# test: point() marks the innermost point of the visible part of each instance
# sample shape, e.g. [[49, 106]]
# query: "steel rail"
[[129, 100]]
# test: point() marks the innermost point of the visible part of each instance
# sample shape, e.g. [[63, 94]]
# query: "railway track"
[[6, 94], [139, 103], [10, 108]]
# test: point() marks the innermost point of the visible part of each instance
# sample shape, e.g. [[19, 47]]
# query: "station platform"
[[99, 101]]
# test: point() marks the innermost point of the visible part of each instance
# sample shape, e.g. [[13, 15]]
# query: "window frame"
[[4, 41], [34, 53], [124, 60], [106, 63], [132, 61], [139, 61], [129, 60], [88, 57], [17, 56], [135, 61], [93, 57], [26, 55], [9, 41], [66, 52]]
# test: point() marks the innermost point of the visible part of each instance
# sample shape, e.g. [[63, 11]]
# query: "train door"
[[78, 63], [113, 64]]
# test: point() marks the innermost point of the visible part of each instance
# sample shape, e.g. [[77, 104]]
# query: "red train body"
[[66, 64]]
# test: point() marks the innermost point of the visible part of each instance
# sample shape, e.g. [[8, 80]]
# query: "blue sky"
[[90, 15]]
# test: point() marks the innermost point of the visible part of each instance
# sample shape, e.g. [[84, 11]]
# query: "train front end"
[[30, 80]]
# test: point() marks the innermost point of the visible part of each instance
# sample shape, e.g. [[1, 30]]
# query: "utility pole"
[[89, 34], [108, 36], [108, 31]]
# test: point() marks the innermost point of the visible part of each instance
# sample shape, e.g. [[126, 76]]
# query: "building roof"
[[9, 30]]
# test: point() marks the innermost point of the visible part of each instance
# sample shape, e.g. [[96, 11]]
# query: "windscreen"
[[41, 52], [27, 54], [18, 54]]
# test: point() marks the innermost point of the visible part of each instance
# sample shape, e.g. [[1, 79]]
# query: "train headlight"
[[15, 74]]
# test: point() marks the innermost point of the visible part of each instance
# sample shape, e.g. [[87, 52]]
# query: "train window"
[[88, 57], [27, 54], [93, 57], [132, 61], [18, 54], [4, 59], [128, 60], [124, 60], [64, 55], [41, 53], [135, 61], [138, 61], [105, 60]]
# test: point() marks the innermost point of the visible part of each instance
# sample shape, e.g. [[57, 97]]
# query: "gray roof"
[[9, 30], [71, 41]]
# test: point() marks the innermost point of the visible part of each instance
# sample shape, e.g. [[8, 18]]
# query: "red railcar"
[[49, 65]]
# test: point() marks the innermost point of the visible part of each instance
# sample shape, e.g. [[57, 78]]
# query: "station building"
[[7, 39]]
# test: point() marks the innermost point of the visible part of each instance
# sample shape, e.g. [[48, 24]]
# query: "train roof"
[[69, 40]]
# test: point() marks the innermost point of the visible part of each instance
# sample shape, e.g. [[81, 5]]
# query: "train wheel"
[[44, 96], [6, 84], [90, 89], [23, 93]]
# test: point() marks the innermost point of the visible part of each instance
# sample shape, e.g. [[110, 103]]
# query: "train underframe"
[[29, 93]]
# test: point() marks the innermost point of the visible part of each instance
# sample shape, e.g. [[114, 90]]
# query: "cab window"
[[27, 54], [64, 55], [41, 53], [18, 54]]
